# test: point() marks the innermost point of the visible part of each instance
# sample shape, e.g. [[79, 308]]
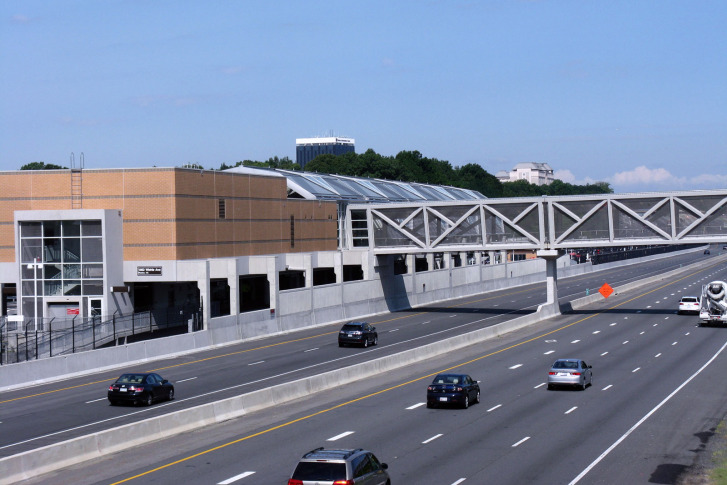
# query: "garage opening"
[[254, 293]]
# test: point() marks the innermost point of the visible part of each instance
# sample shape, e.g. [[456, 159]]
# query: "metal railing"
[[52, 337]]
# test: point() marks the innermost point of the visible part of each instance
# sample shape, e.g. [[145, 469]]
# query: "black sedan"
[[142, 388], [358, 333], [458, 389]]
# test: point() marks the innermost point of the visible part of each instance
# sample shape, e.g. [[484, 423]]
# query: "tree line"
[[411, 166]]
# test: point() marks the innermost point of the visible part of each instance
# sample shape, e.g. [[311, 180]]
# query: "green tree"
[[42, 166]]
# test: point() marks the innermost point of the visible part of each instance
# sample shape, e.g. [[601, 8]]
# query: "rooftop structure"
[[535, 173]]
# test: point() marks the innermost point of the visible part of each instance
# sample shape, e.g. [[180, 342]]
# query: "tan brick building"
[[156, 218]]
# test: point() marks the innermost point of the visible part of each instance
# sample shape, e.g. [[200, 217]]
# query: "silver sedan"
[[570, 372]]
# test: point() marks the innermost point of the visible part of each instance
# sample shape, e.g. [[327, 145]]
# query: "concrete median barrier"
[[53, 457]]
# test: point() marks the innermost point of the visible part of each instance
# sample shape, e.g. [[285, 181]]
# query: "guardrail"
[[82, 334]]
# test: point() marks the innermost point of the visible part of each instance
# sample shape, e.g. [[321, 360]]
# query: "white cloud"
[[643, 175], [565, 175]]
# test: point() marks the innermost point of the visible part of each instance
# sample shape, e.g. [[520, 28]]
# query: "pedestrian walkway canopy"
[[540, 223]]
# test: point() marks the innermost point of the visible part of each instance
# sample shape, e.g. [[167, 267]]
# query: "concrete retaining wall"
[[305, 308], [46, 459]]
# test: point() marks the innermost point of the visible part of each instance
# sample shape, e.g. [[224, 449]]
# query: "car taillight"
[[575, 373], [552, 373], [343, 482], [429, 388], [136, 389], [292, 481], [458, 389], [111, 387]]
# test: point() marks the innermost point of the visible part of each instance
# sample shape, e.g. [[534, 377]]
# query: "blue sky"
[[629, 92]]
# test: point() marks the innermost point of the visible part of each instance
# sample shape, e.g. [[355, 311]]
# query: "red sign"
[[73, 311], [605, 290]]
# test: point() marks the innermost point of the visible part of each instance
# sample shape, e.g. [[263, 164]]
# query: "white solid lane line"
[[521, 441], [339, 436], [431, 439], [646, 416], [419, 404], [236, 478]]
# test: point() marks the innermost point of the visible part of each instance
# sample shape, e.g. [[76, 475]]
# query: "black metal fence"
[[67, 336], [612, 256]]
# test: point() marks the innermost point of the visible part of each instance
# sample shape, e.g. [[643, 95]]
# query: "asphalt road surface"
[[656, 399]]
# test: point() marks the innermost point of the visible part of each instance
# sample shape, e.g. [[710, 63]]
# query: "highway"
[[518, 408]]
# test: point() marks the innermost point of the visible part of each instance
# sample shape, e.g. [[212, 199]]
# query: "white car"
[[688, 304]]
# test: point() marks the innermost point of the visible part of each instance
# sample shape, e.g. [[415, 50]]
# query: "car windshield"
[[689, 300], [445, 379], [351, 328], [130, 379], [564, 364], [320, 471]]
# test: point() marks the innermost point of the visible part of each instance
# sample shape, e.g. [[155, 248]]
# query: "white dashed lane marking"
[[521, 441], [236, 478], [339, 436], [416, 405], [431, 439]]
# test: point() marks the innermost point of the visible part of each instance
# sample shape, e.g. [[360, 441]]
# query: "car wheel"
[[477, 397], [430, 405], [376, 340], [366, 342], [170, 396], [149, 399], [550, 387], [113, 402], [583, 386], [340, 344], [466, 402]]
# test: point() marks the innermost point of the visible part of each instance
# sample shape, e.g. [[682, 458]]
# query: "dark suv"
[[358, 333], [350, 467]]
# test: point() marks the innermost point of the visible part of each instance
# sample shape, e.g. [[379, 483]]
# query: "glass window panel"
[[93, 287], [52, 271], [71, 250], [71, 228], [71, 271], [91, 228], [29, 307], [52, 250], [30, 229], [27, 287], [51, 228], [29, 271], [30, 250], [92, 271], [53, 288], [72, 287], [91, 250]]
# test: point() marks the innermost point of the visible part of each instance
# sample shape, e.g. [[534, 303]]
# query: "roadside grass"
[[718, 475]]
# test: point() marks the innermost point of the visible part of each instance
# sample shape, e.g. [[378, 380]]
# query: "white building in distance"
[[535, 173]]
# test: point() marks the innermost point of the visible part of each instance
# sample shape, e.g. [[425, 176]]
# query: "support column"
[[551, 279]]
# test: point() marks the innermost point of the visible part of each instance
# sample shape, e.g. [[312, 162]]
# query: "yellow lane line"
[[247, 350], [417, 379]]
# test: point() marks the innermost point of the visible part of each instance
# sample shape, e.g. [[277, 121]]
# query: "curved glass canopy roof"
[[310, 185]]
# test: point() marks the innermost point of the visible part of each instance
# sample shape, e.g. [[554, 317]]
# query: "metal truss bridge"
[[539, 223]]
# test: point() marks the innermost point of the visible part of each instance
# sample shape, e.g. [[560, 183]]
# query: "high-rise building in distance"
[[306, 149]]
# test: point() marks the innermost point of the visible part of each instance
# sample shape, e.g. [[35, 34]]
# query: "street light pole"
[[35, 264]]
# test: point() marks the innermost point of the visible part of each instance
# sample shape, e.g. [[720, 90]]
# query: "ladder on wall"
[[76, 188], [77, 182]]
